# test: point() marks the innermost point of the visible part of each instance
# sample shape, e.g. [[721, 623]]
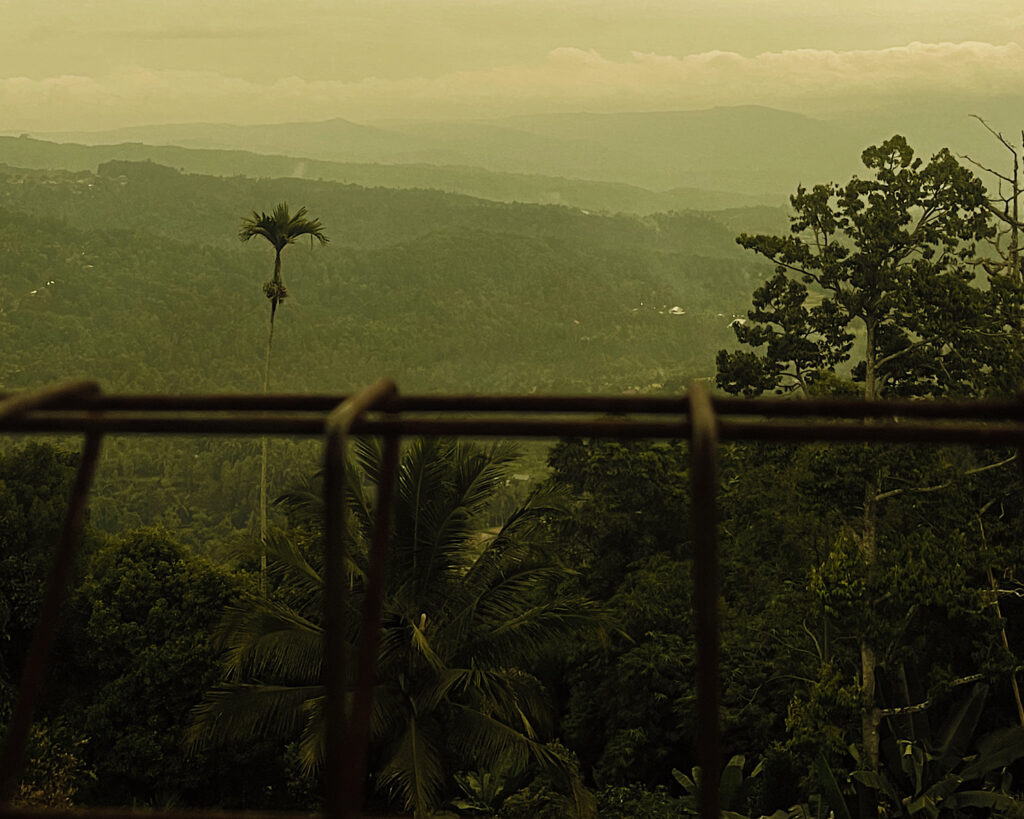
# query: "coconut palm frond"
[[413, 771], [387, 717], [304, 502], [235, 711], [512, 696], [264, 638], [515, 542], [464, 617], [423, 552], [487, 739], [536, 630], [448, 522], [479, 473], [368, 454], [293, 568], [421, 646], [489, 598], [306, 505], [313, 743], [492, 740]]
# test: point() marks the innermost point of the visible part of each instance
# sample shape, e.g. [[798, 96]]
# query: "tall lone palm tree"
[[281, 229], [467, 612]]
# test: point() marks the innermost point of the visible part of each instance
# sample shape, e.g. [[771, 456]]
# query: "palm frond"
[[232, 712], [536, 629], [281, 227], [421, 646], [516, 698], [413, 770], [368, 453], [388, 713], [264, 638], [487, 739], [293, 569]]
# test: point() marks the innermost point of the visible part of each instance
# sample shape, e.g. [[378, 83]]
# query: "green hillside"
[[135, 276], [149, 287]]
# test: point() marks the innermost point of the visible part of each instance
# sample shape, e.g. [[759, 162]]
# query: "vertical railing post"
[[357, 741], [343, 790], [703, 521], [12, 758]]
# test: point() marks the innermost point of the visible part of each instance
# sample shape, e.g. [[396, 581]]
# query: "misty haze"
[[237, 215]]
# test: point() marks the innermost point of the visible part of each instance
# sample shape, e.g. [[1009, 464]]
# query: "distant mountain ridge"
[[25, 152], [751, 151]]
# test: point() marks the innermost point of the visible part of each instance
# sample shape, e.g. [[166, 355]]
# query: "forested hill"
[[24, 152], [135, 275]]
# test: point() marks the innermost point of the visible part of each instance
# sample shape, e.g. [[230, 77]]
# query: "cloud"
[[567, 79]]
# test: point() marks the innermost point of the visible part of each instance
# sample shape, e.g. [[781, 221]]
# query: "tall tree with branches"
[[281, 228], [880, 268]]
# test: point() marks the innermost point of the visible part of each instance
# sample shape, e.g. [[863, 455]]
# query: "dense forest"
[[536, 657]]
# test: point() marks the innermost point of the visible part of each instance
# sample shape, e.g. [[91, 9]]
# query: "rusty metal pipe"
[[703, 523], [357, 741], [1009, 410], [343, 799], [34, 673], [19, 403], [934, 432]]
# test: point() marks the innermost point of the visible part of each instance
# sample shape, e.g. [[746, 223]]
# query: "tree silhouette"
[[281, 229]]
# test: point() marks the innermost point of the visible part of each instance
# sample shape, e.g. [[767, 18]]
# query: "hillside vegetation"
[[136, 272]]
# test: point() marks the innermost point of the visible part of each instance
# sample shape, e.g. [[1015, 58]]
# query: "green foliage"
[[141, 657], [632, 501], [732, 790], [428, 286], [889, 253], [55, 769], [466, 614], [630, 709], [638, 802], [35, 482], [939, 780], [485, 791]]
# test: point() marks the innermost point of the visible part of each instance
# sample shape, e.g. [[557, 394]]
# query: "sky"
[[97, 64]]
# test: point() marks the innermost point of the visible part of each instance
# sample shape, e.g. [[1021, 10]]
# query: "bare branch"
[[995, 465], [923, 490], [995, 133], [916, 345], [1005, 217], [928, 703], [985, 168]]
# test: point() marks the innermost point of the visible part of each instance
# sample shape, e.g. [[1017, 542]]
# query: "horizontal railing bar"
[[8, 812], [1006, 410], [18, 403], [312, 425]]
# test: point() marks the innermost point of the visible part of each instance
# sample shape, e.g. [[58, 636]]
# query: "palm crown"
[[466, 613], [281, 229]]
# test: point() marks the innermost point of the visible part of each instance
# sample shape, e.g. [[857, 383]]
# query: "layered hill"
[[749, 151], [25, 152], [135, 274]]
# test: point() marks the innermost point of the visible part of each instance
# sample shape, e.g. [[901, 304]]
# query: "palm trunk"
[[263, 440], [870, 713]]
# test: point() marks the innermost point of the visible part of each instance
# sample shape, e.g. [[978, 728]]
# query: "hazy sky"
[[85, 64]]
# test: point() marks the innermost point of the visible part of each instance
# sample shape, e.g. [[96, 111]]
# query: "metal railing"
[[379, 410]]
